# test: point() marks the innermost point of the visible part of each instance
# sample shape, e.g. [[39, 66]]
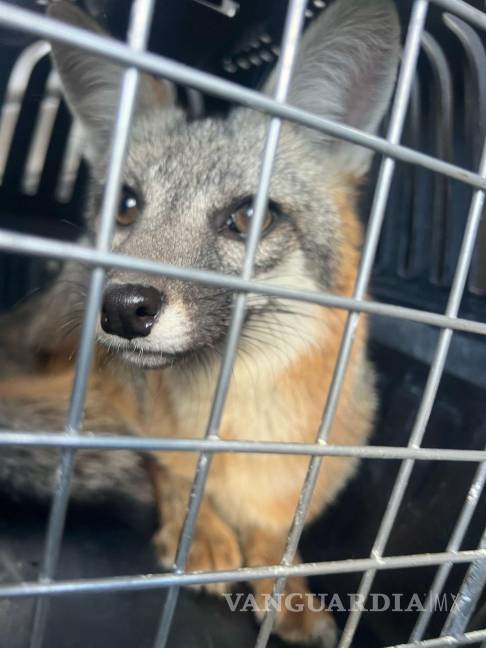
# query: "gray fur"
[[188, 173], [44, 322], [31, 472], [346, 70], [93, 95]]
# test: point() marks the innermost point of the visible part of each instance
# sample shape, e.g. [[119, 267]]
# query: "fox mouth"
[[147, 359], [142, 355]]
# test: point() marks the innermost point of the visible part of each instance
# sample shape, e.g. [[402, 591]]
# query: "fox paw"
[[214, 547]]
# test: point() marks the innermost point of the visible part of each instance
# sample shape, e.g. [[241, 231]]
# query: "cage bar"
[[140, 20], [435, 375], [161, 581], [443, 642], [430, 392], [397, 120], [293, 27], [50, 248], [472, 500], [214, 445], [468, 597]]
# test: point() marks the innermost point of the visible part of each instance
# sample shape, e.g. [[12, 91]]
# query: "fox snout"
[[131, 310], [148, 325]]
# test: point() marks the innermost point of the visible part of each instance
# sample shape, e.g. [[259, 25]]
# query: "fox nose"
[[130, 311]]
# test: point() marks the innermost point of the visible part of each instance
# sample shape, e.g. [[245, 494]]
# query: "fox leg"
[[300, 615], [214, 545]]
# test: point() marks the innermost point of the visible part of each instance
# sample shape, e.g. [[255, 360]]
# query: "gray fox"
[[186, 199]]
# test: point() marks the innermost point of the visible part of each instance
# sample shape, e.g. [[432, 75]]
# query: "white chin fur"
[[145, 360]]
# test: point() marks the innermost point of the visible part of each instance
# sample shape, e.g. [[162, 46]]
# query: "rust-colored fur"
[[250, 500]]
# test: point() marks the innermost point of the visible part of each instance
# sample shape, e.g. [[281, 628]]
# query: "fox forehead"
[[187, 172], [206, 164]]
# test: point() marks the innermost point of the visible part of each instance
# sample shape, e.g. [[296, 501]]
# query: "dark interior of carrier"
[[41, 188]]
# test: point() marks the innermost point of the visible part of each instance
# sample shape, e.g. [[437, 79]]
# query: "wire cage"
[[422, 258]]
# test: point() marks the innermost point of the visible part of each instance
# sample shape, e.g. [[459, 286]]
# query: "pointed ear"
[[346, 70], [91, 84]]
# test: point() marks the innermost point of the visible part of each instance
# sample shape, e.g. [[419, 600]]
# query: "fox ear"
[[91, 84], [346, 70]]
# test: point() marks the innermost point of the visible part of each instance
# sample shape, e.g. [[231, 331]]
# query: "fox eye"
[[239, 220], [129, 208]]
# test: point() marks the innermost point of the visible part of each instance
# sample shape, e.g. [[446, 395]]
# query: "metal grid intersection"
[[133, 56]]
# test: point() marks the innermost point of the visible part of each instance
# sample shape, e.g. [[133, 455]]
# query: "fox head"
[[188, 187]]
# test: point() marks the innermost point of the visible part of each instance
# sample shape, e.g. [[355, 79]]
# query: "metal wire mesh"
[[99, 258]]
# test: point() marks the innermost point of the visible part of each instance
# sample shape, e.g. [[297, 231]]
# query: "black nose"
[[130, 311]]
